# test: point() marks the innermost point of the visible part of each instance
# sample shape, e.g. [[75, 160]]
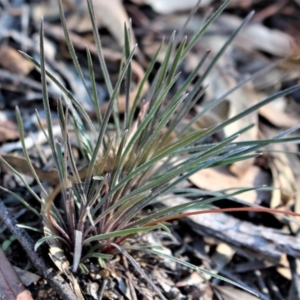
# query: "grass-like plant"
[[103, 203]]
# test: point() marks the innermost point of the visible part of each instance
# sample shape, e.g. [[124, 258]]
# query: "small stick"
[[55, 280], [223, 210]]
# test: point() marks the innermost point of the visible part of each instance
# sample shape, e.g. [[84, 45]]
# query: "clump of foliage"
[[148, 156]]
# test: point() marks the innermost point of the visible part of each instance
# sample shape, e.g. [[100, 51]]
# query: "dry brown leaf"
[[286, 182], [8, 131], [285, 268], [110, 57], [283, 175], [138, 74], [276, 115], [215, 179], [256, 36], [241, 100], [21, 165], [10, 286], [47, 9], [221, 79], [30, 141], [110, 14], [284, 166], [291, 63], [13, 61], [211, 118]]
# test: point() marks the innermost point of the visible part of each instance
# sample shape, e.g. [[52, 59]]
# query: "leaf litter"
[[246, 238]]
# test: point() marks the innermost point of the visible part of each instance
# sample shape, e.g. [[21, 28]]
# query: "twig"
[[56, 281], [129, 278], [231, 276], [104, 284], [274, 289], [295, 276]]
